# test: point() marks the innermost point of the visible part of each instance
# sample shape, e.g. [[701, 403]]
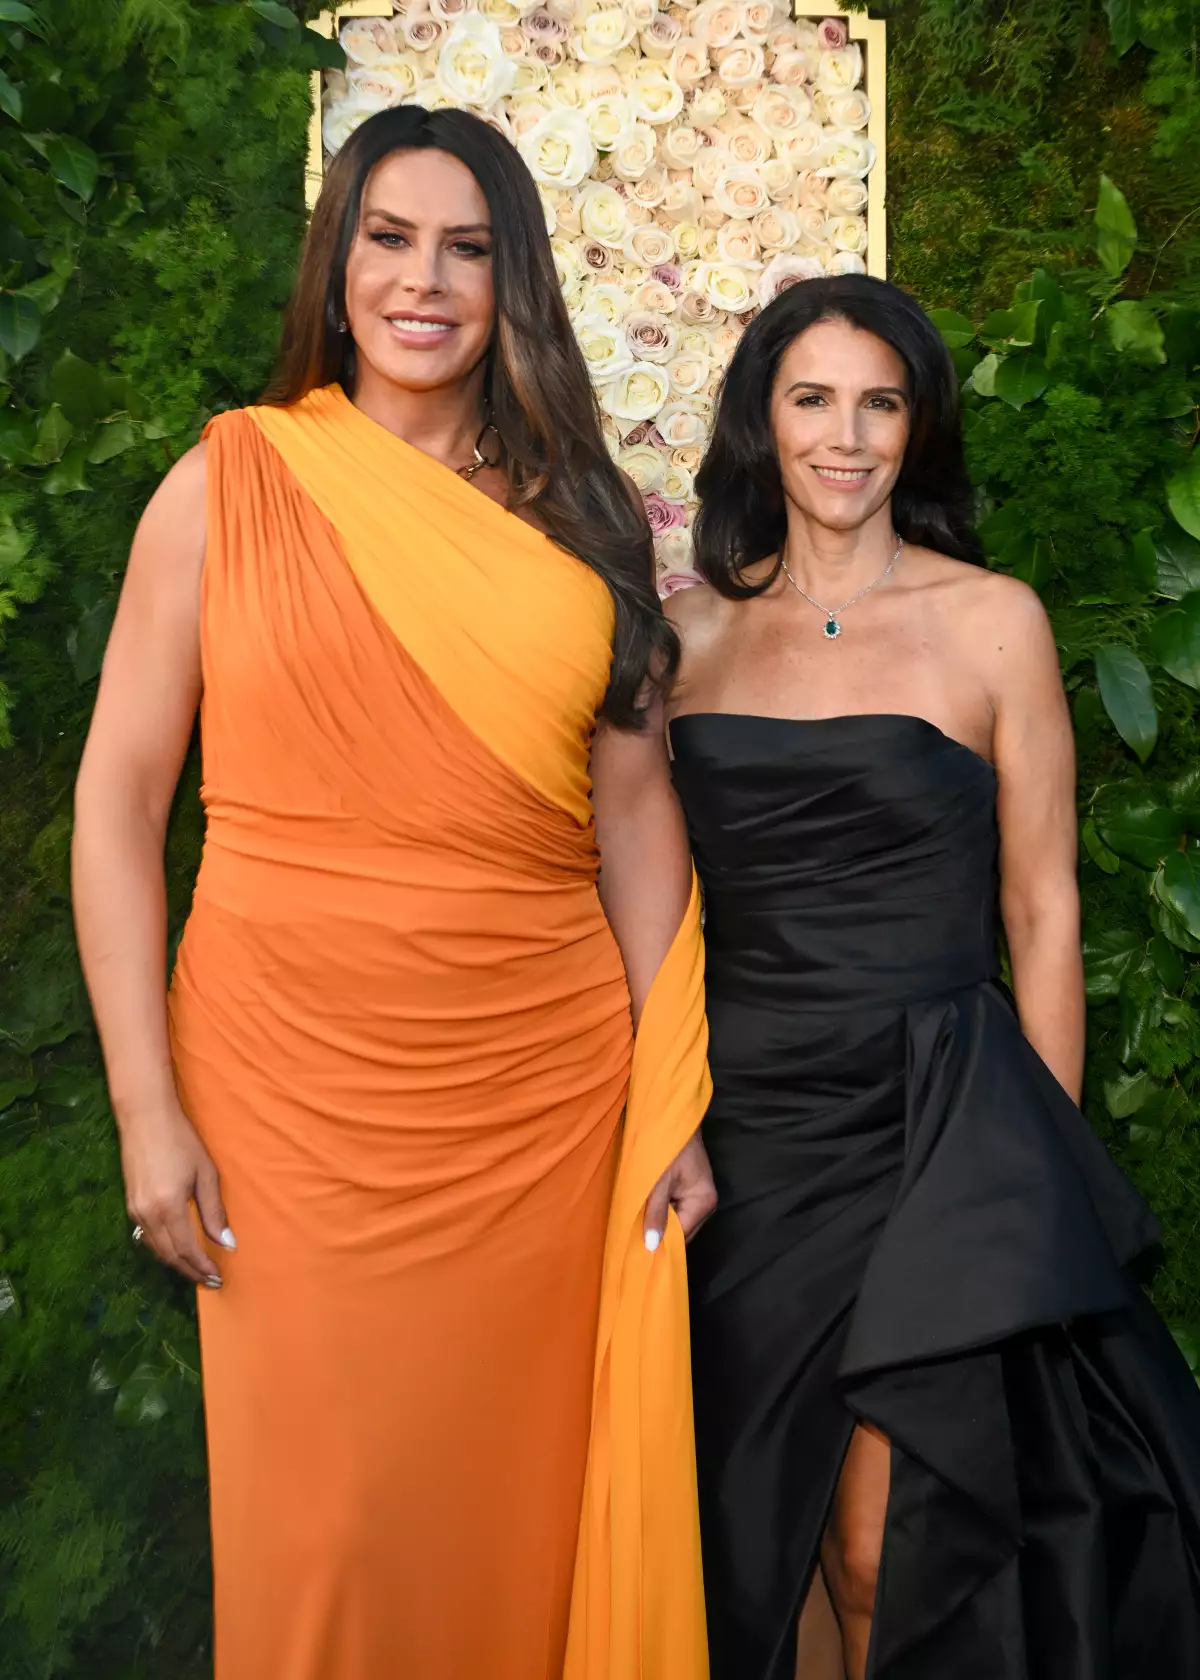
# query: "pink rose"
[[669, 275], [663, 516], [832, 34], [669, 583]]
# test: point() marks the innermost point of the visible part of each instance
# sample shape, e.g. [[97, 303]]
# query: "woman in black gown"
[[923, 1375]]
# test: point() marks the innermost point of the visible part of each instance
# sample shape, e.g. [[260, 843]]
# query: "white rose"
[[757, 18], [689, 61], [789, 69], [778, 177], [688, 373], [783, 37], [847, 233], [604, 300], [737, 244], [740, 191], [471, 66], [633, 152], [499, 12], [644, 464], [724, 343], [846, 195], [776, 229], [660, 38], [650, 246], [598, 80], [681, 203], [745, 141], [367, 40], [811, 222], [636, 394], [653, 298], [846, 153], [342, 119], [838, 72], [848, 110], [530, 77], [847, 262], [687, 240], [604, 348], [717, 23], [781, 110], [728, 288], [739, 65], [602, 215], [383, 85], [807, 33], [606, 117], [559, 149], [673, 557], [566, 262], [676, 484], [681, 423], [682, 145], [811, 189], [650, 189], [708, 235], [604, 32], [565, 89], [707, 106], [649, 337], [784, 271], [655, 96], [526, 110], [643, 12], [640, 215], [710, 165], [804, 147]]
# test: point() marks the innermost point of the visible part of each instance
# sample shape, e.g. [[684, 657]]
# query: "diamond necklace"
[[832, 627]]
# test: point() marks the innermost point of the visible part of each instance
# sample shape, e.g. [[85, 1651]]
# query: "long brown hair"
[[540, 398]]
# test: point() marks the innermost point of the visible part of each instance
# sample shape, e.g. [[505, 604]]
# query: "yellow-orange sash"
[[516, 636]]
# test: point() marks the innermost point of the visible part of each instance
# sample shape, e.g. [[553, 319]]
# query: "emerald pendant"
[[832, 628]]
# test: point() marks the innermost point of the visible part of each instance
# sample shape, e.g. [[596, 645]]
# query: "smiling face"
[[840, 419], [419, 297]]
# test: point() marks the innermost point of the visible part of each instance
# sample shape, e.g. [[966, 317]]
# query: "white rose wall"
[[693, 160]]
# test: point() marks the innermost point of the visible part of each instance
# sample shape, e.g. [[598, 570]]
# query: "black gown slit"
[[917, 1228]]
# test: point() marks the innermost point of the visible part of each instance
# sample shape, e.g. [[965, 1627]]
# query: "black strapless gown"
[[917, 1228]]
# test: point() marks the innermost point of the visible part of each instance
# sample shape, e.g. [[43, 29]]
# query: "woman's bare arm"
[[1039, 897], [145, 709]]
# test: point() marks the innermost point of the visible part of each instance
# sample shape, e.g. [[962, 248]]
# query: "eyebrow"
[[403, 222], [872, 391]]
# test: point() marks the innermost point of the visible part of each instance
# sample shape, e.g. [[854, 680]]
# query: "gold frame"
[[869, 33]]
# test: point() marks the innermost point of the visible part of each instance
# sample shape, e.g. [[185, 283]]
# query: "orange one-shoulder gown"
[[446, 1387]]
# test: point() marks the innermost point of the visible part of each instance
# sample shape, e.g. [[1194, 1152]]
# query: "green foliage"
[[151, 195]]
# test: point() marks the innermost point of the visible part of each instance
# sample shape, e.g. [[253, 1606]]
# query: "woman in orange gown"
[[445, 1356]]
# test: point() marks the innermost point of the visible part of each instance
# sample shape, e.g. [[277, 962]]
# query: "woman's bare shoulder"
[[173, 530], [697, 611]]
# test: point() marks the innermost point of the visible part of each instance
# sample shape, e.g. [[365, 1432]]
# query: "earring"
[[343, 326]]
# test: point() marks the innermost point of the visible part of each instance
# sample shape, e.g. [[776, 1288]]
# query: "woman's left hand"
[[687, 1186]]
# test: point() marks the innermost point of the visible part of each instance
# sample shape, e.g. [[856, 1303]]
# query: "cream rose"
[[717, 23], [649, 337], [595, 257], [566, 261], [745, 141], [737, 244], [681, 202], [688, 456], [776, 229], [811, 190], [660, 37], [558, 149], [539, 25], [604, 299], [740, 192], [676, 484], [790, 68], [846, 195], [604, 32], [471, 65], [728, 288], [687, 240], [565, 89], [697, 310], [804, 147], [786, 270], [847, 233], [688, 373], [849, 110], [499, 12], [604, 348], [602, 215], [846, 153], [783, 37], [650, 246], [739, 65], [389, 85], [681, 423], [839, 71], [606, 117], [633, 152], [640, 215], [644, 464], [710, 166], [653, 298], [526, 111], [367, 40], [649, 190], [682, 145], [342, 119], [847, 262], [689, 61], [781, 110], [531, 75], [757, 18], [655, 96], [811, 222], [707, 106], [425, 32], [778, 177], [449, 10], [637, 394]]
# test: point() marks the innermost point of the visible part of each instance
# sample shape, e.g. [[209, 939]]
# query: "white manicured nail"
[[227, 1238], [653, 1238], [213, 1282]]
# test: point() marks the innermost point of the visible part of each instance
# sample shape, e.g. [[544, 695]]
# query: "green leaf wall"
[[151, 204]]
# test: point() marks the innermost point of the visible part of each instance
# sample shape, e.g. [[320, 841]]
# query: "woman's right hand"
[[167, 1168]]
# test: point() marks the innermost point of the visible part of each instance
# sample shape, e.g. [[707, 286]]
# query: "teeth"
[[841, 475], [411, 325]]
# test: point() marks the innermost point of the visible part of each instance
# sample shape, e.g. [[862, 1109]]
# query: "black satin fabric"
[[916, 1228]]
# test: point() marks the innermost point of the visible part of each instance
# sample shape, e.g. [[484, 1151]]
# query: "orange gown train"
[[401, 1025]]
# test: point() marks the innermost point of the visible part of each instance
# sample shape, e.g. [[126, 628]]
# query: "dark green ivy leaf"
[[1128, 697], [20, 325], [1175, 638], [1142, 831], [1177, 886], [75, 165], [1108, 957]]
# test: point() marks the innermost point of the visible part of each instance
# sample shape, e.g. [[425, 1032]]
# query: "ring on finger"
[[138, 1233]]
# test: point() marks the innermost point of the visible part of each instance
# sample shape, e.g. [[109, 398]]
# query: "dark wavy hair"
[[540, 398], [743, 515]]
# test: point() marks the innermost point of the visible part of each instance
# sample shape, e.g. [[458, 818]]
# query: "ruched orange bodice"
[[401, 1024]]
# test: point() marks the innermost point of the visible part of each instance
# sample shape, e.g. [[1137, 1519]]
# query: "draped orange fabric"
[[400, 1022]]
